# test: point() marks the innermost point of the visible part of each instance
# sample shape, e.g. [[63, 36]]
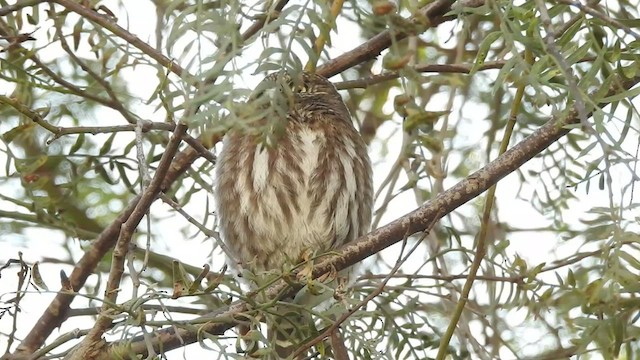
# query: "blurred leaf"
[[78, 144], [483, 50], [37, 278], [28, 166], [20, 130], [106, 147]]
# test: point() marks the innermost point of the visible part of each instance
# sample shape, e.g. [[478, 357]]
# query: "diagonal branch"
[[91, 344], [434, 12], [4, 11]]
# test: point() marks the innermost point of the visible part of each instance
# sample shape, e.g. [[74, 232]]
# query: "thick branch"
[[4, 11]]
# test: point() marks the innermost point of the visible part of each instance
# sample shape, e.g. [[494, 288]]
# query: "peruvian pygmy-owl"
[[307, 188], [298, 180]]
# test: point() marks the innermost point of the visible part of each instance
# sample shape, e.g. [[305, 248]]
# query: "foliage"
[[113, 110]]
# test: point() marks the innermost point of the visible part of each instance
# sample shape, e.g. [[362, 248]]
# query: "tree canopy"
[[113, 113]]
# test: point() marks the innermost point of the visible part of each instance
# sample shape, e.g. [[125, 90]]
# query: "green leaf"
[[33, 18], [559, 279], [505, 72], [592, 291], [483, 50], [416, 119], [23, 129], [106, 147], [580, 53], [123, 175], [100, 170], [535, 271], [78, 144], [27, 166], [569, 36], [625, 95], [77, 33]]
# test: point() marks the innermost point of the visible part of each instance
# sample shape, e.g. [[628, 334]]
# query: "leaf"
[[107, 53], [123, 175], [77, 33], [592, 291], [579, 54], [535, 271], [37, 278], [630, 71], [483, 50], [622, 95], [559, 279], [601, 181], [628, 279], [504, 72], [569, 35], [24, 129], [28, 166], [100, 170], [106, 147], [395, 62], [195, 285], [571, 278], [417, 119], [618, 328], [519, 264], [78, 144], [546, 295], [180, 281], [34, 17], [215, 281]]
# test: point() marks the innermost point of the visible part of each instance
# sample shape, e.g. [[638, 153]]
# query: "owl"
[[297, 181]]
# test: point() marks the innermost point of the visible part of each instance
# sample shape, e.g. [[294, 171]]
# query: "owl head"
[[294, 87]]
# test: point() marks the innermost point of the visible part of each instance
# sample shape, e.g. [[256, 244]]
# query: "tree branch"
[[434, 12], [92, 344]]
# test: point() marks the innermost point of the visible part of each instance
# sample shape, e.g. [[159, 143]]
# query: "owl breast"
[[309, 192]]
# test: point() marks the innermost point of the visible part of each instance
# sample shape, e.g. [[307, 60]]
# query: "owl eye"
[[300, 85], [303, 87]]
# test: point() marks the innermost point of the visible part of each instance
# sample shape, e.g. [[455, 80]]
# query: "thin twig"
[[426, 68], [324, 36], [481, 244], [595, 13], [18, 6]]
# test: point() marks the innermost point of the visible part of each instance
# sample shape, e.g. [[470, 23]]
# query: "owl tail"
[[288, 330], [293, 324]]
